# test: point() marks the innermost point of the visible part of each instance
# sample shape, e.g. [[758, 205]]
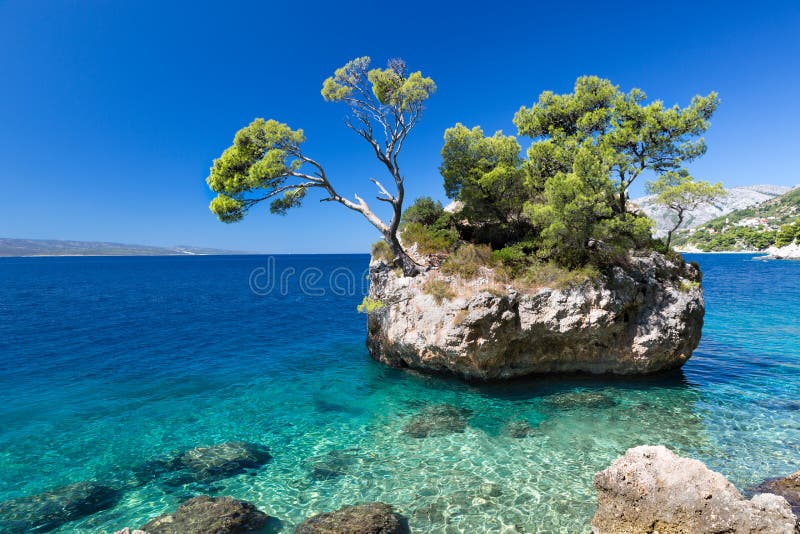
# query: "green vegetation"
[[788, 234], [266, 161], [467, 260], [756, 228], [687, 285], [563, 208], [439, 289], [382, 251], [679, 192], [560, 207], [369, 305]]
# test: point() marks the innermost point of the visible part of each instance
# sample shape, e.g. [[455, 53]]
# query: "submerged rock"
[[208, 464], [577, 400], [214, 515], [787, 487], [643, 318], [370, 518], [437, 420], [49, 510], [517, 429], [651, 489], [204, 464], [331, 465]]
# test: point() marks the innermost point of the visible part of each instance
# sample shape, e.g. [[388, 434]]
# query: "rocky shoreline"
[[649, 489], [789, 252], [643, 317]]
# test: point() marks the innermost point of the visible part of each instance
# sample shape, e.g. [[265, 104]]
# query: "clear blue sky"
[[111, 112]]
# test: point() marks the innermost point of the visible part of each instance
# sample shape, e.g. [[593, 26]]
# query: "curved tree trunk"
[[401, 258]]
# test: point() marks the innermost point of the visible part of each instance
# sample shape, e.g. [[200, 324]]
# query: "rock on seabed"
[[653, 490], [49, 510], [643, 318], [203, 514], [368, 518]]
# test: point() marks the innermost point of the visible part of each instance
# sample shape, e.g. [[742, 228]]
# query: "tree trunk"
[[401, 258], [669, 234]]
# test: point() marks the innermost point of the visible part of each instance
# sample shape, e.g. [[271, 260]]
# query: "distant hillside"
[[48, 247], [750, 229], [736, 199]]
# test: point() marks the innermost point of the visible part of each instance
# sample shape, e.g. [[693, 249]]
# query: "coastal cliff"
[[641, 318]]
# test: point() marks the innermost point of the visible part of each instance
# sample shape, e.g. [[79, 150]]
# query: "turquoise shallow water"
[[107, 362]]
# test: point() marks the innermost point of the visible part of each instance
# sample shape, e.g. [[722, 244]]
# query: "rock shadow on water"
[[49, 510], [437, 420]]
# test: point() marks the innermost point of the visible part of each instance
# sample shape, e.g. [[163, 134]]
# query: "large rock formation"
[[787, 487], [651, 489], [643, 318]]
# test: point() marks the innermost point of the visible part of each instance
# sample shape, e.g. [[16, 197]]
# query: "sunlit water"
[[107, 362]]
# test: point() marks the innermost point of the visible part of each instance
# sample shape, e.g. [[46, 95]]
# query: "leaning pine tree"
[[266, 161]]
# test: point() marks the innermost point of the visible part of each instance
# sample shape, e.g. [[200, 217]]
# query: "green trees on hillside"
[[788, 234]]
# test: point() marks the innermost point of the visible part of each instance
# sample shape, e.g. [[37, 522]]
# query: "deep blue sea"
[[108, 362]]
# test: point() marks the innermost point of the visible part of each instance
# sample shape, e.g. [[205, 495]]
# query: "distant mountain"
[[736, 199], [750, 229], [49, 247]]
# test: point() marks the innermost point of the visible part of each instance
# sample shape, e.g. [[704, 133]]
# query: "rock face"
[[787, 487], [217, 515], [49, 510], [370, 518], [644, 318], [651, 489], [789, 252]]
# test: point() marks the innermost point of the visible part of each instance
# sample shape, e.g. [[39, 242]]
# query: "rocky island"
[[644, 317]]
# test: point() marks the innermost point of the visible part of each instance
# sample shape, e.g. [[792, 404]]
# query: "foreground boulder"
[[213, 515], [370, 518], [643, 318], [787, 487], [651, 489], [49, 510]]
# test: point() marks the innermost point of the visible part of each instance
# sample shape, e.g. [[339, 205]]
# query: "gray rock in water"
[[212, 515], [330, 465], [370, 518], [49, 510], [579, 399], [208, 464], [437, 420], [651, 489], [787, 487], [517, 429], [641, 318], [203, 464]]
